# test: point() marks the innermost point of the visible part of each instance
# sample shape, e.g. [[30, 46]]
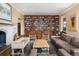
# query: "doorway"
[[19, 29]]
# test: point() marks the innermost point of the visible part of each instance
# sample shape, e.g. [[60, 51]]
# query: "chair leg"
[[22, 52], [12, 52]]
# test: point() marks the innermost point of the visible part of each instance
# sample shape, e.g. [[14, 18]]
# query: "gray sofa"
[[67, 42]]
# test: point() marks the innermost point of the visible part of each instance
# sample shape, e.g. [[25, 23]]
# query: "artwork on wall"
[[73, 24], [5, 11], [73, 21]]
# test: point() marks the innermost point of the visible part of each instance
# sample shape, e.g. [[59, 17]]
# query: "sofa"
[[69, 43]]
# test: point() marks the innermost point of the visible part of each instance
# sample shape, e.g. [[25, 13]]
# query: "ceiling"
[[41, 8]]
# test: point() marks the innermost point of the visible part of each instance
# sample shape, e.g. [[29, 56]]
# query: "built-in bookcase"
[[45, 24]]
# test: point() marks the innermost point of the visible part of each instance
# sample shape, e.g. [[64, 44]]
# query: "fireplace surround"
[[9, 31]]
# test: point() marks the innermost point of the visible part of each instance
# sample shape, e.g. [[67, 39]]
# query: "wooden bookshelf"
[[44, 24]]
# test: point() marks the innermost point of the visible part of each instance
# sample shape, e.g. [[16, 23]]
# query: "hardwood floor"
[[5, 50]]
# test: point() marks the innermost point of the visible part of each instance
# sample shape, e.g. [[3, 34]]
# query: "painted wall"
[[15, 16], [68, 14]]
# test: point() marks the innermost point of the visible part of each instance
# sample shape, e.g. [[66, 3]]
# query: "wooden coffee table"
[[41, 43]]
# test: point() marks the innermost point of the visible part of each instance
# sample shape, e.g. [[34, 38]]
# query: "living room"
[[36, 29]]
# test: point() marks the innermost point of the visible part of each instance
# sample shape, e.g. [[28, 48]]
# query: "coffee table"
[[41, 43]]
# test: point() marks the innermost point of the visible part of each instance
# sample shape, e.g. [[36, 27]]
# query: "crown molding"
[[70, 7], [16, 8], [67, 9]]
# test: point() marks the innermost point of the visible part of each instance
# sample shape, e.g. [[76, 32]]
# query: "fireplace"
[[7, 34], [2, 38]]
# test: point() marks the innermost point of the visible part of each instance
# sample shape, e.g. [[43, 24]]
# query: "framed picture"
[[64, 24], [5, 11], [73, 24]]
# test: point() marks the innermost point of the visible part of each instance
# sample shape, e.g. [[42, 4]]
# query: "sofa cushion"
[[63, 52], [75, 42], [68, 38], [75, 51], [63, 36], [63, 44]]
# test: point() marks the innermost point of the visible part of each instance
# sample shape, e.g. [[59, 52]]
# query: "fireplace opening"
[[2, 38]]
